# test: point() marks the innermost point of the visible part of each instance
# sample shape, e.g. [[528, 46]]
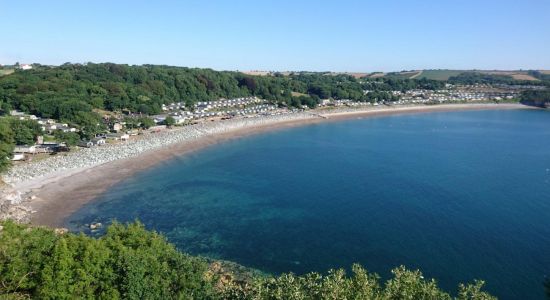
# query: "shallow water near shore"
[[460, 195]]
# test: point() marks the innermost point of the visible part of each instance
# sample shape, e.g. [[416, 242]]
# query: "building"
[[24, 149], [118, 136], [86, 144], [25, 67], [98, 141], [117, 127], [18, 157], [48, 147]]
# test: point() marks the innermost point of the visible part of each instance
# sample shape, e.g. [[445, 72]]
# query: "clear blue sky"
[[342, 35]]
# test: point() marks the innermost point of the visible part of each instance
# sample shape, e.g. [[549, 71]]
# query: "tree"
[[25, 131], [90, 123], [169, 121], [6, 144], [127, 262], [69, 138], [146, 123]]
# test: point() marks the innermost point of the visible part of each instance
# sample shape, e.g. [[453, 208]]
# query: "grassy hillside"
[[444, 74], [439, 74], [403, 75]]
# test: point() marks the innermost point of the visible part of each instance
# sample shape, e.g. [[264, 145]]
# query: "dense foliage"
[[469, 78], [132, 263], [139, 122], [15, 132], [395, 84], [536, 97], [25, 131], [482, 78], [405, 284], [128, 262], [7, 144], [69, 138], [72, 92]]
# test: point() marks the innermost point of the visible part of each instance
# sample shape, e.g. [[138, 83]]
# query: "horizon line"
[[276, 71]]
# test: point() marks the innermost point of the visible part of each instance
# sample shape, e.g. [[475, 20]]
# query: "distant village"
[[118, 131], [245, 107]]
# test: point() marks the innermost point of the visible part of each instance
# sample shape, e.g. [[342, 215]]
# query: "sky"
[[281, 35]]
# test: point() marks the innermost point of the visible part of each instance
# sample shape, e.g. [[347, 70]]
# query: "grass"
[[439, 74], [6, 71], [403, 75], [296, 94], [524, 77]]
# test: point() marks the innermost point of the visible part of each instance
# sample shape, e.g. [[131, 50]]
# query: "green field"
[[6, 71], [439, 74], [401, 75], [428, 74]]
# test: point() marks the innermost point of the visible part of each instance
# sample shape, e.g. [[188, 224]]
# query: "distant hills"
[[434, 74]]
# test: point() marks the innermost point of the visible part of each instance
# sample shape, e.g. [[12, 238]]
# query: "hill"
[[439, 74], [444, 75]]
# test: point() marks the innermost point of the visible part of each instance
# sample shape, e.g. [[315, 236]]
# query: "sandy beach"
[[53, 196]]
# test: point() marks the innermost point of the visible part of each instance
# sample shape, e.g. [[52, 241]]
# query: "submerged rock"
[[94, 226]]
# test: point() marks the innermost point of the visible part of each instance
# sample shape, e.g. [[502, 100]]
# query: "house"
[[18, 157], [15, 113], [86, 144], [117, 127], [50, 127], [66, 128], [180, 119], [118, 136], [159, 118], [325, 102], [24, 149], [98, 141], [47, 147], [25, 67]]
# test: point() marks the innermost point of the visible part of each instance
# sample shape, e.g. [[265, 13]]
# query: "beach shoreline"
[[55, 195]]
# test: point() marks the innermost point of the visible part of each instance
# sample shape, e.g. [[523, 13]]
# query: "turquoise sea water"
[[460, 195]]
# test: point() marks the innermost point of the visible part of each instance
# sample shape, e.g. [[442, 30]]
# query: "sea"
[[460, 195]]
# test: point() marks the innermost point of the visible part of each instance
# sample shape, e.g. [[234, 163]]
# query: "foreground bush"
[[130, 262], [405, 284]]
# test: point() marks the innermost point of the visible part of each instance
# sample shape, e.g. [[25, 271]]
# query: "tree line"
[[74, 92], [78, 94], [539, 98], [469, 78]]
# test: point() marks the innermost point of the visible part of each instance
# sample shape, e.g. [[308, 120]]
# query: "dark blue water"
[[459, 195]]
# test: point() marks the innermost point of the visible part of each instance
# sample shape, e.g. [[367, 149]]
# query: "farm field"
[[6, 71], [439, 74]]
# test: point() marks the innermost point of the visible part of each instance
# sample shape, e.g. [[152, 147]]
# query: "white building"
[[24, 149]]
